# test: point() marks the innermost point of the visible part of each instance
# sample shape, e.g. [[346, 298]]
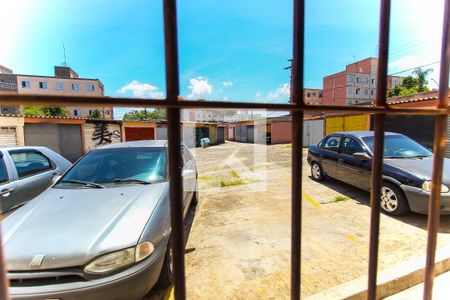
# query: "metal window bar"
[[173, 103]]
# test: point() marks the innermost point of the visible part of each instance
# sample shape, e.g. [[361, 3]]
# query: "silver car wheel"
[[389, 200], [171, 260], [316, 172]]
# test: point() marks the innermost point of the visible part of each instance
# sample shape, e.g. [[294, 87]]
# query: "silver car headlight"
[[426, 186], [116, 260]]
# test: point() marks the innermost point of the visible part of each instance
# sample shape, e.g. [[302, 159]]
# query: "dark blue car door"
[[330, 154], [352, 170]]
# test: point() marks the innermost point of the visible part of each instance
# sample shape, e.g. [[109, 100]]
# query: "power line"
[[414, 68]]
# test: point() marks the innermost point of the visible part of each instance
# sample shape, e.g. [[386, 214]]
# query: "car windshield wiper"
[[86, 183], [131, 180]]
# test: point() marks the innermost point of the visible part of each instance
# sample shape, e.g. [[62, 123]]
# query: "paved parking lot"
[[241, 229]]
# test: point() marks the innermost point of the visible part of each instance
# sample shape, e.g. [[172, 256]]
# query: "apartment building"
[[356, 84], [312, 96], [65, 82]]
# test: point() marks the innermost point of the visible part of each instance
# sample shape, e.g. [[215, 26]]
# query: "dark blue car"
[[407, 169]]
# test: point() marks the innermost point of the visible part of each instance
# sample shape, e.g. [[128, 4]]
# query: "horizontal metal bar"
[[14, 99]]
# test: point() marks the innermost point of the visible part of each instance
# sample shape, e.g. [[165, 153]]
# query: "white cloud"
[[199, 88], [258, 96], [281, 92], [225, 98], [227, 83], [141, 90]]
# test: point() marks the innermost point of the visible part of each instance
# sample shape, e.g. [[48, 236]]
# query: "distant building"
[[356, 84], [312, 96], [65, 82]]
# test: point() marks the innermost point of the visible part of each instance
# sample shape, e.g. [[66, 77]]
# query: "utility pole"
[[290, 76]]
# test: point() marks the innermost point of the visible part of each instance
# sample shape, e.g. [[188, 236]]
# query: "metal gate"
[[313, 132], [297, 106], [8, 136], [241, 133], [62, 138]]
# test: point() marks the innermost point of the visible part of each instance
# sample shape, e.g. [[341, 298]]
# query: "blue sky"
[[229, 50]]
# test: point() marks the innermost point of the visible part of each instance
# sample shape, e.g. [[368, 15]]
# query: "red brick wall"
[[334, 86], [362, 66], [281, 132]]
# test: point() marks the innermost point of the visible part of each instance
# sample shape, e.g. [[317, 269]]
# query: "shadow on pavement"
[[363, 197]]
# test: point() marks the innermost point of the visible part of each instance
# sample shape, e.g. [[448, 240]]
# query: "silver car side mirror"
[[361, 156], [55, 178]]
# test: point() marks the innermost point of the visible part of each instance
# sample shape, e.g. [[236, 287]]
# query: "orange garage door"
[[139, 133]]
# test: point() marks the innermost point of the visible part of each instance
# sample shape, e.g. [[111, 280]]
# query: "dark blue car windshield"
[[117, 165], [399, 146]]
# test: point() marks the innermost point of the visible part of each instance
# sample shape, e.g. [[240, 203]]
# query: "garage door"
[[220, 135], [139, 133], [8, 136], [251, 133], [447, 150], [62, 138]]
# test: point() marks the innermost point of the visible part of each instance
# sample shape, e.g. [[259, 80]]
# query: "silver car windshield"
[[117, 166], [399, 146]]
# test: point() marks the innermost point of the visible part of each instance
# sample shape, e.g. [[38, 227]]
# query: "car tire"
[[317, 172], [166, 276], [393, 200]]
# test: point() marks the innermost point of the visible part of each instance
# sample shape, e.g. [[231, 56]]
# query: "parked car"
[[102, 231], [407, 169], [25, 172]]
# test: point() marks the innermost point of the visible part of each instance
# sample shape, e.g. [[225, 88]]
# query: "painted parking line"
[[169, 294]]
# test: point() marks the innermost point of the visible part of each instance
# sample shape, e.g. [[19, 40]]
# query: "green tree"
[[411, 85], [95, 114], [47, 111], [144, 115], [422, 78]]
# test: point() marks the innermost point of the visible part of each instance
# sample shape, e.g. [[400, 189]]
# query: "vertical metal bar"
[[377, 161], [297, 140], [175, 160], [438, 160], [3, 277]]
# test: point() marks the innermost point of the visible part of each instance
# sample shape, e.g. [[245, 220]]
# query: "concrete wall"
[[161, 132]]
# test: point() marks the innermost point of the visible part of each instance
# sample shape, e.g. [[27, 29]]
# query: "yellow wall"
[[346, 123]]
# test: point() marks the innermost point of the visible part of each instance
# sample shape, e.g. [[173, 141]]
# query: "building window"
[[76, 112], [366, 80], [320, 95], [108, 112], [373, 80], [357, 91], [349, 91], [348, 101], [372, 92], [314, 94], [75, 86], [91, 87], [59, 86], [308, 94], [349, 78], [358, 80], [43, 85], [26, 84], [366, 92]]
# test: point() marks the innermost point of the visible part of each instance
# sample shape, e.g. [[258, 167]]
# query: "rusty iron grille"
[[174, 103]]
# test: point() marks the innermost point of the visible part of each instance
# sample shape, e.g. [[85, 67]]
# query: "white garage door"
[[8, 136], [447, 150]]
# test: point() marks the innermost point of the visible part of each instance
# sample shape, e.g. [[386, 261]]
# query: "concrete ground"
[[241, 229]]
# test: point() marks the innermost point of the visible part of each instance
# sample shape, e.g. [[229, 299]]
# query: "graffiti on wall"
[[102, 134]]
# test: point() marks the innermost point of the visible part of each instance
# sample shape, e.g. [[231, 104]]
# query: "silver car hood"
[[72, 226], [421, 167]]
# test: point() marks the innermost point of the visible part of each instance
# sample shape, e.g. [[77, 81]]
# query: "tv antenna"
[[64, 63]]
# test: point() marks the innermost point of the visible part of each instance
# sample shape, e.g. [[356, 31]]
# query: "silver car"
[[101, 231], [26, 172]]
